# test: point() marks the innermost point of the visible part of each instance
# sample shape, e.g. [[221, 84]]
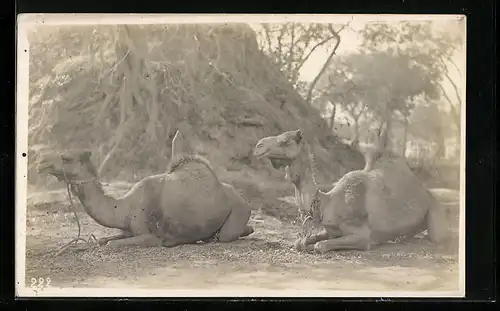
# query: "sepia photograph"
[[240, 155]]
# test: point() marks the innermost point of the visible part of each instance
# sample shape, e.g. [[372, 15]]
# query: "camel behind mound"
[[185, 205], [365, 207]]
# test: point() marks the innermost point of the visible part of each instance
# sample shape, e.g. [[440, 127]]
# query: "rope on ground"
[[92, 237]]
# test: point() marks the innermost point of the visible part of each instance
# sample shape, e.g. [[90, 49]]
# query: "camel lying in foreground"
[[185, 205], [365, 207]]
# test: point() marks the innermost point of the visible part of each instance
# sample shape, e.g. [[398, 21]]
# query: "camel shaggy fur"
[[185, 205], [365, 207]]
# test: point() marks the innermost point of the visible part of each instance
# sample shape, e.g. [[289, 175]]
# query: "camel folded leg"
[[358, 242], [437, 224], [248, 230], [145, 240], [307, 243], [122, 235], [235, 225]]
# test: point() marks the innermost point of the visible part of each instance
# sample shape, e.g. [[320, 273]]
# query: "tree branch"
[[306, 45], [455, 114], [312, 51], [291, 53], [327, 62], [457, 93], [120, 131], [361, 110], [268, 35], [453, 63], [280, 45]]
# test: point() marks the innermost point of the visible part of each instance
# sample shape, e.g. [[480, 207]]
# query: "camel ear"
[[180, 145], [298, 136]]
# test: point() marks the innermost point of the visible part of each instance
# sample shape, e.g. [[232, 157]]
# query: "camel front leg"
[[307, 243], [358, 242], [144, 240], [122, 235], [235, 225]]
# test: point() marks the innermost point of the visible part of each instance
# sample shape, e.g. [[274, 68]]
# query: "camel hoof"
[[113, 244], [320, 247], [248, 230], [300, 244], [102, 242]]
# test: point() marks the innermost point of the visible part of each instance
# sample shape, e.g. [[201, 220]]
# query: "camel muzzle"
[[259, 154]]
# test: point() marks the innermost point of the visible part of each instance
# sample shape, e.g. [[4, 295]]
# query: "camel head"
[[281, 150], [71, 166]]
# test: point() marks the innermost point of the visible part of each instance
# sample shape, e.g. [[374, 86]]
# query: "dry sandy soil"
[[263, 260]]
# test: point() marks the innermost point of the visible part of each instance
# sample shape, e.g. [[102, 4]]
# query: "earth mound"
[[122, 92]]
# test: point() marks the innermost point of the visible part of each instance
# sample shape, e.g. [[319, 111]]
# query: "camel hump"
[[183, 154], [180, 145]]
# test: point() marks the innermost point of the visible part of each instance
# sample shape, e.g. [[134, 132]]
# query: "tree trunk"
[[455, 111], [441, 144], [355, 140], [405, 137], [388, 129], [383, 138], [332, 117], [381, 126]]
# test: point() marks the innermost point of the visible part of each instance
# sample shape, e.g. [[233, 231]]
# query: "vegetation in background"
[[397, 79], [123, 90]]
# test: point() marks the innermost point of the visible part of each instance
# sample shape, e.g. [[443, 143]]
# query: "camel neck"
[[99, 206], [305, 184]]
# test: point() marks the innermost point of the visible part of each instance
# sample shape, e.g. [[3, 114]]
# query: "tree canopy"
[[396, 64]]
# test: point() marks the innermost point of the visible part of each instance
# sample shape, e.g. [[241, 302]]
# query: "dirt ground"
[[263, 260]]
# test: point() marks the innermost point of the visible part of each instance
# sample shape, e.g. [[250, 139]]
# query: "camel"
[[364, 208], [185, 205]]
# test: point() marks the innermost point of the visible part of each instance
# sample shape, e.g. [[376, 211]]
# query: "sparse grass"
[[268, 250]]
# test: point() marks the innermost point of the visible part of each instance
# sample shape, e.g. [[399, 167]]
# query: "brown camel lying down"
[[365, 207], [186, 205]]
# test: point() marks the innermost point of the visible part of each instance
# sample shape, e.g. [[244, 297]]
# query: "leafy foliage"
[[377, 83], [429, 48], [400, 65]]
